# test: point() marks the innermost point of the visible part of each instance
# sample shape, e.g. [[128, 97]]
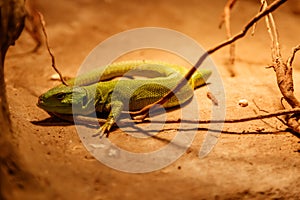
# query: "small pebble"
[[243, 103], [54, 77]]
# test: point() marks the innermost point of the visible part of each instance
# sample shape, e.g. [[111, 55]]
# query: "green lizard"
[[98, 91]]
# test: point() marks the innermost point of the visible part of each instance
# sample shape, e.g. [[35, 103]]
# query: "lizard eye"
[[60, 96]]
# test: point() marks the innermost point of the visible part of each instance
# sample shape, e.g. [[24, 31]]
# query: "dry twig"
[[95, 121], [42, 21], [226, 19], [292, 56]]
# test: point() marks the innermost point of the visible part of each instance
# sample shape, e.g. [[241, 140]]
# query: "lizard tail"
[[200, 77]]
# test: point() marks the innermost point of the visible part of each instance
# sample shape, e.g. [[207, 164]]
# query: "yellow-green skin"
[[95, 91]]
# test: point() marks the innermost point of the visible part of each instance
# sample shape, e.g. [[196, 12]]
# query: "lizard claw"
[[105, 129], [141, 117]]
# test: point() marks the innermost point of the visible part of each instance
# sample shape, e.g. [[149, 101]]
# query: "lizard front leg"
[[115, 112]]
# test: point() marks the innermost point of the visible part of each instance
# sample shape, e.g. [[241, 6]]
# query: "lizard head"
[[64, 99]]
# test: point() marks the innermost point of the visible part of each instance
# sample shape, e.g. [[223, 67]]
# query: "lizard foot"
[[105, 129]]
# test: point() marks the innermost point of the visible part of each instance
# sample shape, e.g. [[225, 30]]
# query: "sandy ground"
[[252, 160]]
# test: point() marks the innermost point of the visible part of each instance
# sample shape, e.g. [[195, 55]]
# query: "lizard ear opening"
[[85, 100]]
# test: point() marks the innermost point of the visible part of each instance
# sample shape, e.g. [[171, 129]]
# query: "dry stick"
[[93, 121], [272, 33], [293, 122], [269, 29], [228, 6], [254, 25], [144, 111], [48, 48], [261, 110], [275, 35], [226, 20], [245, 119], [292, 56], [257, 117]]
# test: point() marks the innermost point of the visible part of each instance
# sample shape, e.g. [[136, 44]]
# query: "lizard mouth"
[[47, 107], [59, 109]]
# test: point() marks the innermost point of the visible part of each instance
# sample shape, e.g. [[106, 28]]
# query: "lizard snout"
[[40, 101]]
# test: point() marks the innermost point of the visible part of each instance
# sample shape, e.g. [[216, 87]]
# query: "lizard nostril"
[[40, 100]]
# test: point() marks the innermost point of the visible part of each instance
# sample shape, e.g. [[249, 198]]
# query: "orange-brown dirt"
[[252, 160]]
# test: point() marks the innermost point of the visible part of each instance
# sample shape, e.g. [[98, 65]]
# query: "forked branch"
[[284, 70]]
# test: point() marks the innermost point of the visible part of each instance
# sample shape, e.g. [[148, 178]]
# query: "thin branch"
[[227, 8], [269, 29], [276, 37], [49, 50], [292, 56], [226, 19], [277, 117], [254, 25], [257, 117], [273, 33], [245, 29], [96, 121]]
